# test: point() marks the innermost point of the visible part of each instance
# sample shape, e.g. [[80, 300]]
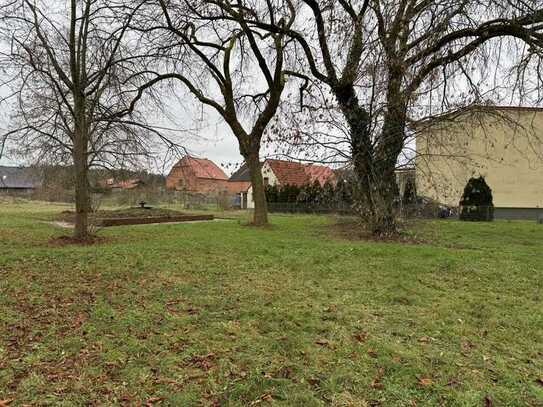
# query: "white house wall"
[[268, 173]]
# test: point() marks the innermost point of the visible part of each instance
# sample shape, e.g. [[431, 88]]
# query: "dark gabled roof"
[[242, 174], [18, 178]]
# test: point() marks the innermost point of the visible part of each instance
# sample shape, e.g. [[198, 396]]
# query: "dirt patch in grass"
[[70, 240], [354, 230]]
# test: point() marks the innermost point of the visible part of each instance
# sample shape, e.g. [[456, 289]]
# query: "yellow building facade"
[[503, 144]]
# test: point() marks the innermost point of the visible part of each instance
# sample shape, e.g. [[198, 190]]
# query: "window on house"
[[266, 181]]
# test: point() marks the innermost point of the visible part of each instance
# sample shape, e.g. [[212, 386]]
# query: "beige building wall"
[[505, 145]]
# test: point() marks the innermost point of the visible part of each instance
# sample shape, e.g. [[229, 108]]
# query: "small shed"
[[18, 180]]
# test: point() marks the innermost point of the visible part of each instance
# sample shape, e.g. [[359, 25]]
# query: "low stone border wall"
[[159, 219]]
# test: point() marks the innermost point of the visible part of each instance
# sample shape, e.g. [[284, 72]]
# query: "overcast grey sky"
[[207, 134]]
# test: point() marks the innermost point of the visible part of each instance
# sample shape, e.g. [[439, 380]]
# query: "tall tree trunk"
[[260, 217], [385, 186], [374, 164], [359, 122], [82, 190], [387, 150]]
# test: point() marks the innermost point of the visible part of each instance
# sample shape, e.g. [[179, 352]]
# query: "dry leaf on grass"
[[264, 397], [425, 381], [331, 308], [376, 382], [323, 342], [204, 362], [314, 381], [152, 401], [452, 382], [361, 336]]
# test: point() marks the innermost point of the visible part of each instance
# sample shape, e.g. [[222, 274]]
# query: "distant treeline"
[[63, 176], [58, 181]]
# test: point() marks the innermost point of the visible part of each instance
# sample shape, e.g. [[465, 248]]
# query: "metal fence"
[[310, 208], [415, 211]]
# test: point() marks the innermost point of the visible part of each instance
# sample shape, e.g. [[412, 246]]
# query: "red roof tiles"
[[235, 187], [293, 173], [202, 168], [319, 173], [122, 184]]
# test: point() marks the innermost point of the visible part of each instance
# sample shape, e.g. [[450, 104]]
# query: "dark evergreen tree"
[[272, 193], [409, 194], [476, 203], [328, 192], [293, 192]]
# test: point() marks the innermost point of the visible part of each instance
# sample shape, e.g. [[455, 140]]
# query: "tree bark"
[[82, 198], [389, 147], [81, 166], [374, 164], [361, 144], [260, 217]]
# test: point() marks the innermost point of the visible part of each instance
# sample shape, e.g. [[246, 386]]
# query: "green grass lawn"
[[225, 314]]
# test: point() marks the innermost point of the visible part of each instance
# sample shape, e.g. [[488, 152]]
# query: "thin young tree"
[[232, 67], [69, 68]]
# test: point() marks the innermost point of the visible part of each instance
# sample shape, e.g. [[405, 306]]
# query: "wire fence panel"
[[415, 211]]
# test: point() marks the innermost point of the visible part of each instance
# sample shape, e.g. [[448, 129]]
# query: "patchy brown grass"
[[220, 314], [353, 229], [71, 240]]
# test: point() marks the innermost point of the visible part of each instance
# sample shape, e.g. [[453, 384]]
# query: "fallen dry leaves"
[[425, 381], [361, 336], [204, 362], [323, 342], [376, 382], [264, 397], [152, 401]]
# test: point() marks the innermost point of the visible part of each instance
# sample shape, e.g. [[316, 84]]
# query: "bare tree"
[[235, 68], [71, 74], [382, 59]]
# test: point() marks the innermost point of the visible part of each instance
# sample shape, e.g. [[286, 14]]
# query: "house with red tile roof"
[[282, 172], [197, 175]]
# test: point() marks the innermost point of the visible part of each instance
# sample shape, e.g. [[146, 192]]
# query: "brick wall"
[[183, 179]]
